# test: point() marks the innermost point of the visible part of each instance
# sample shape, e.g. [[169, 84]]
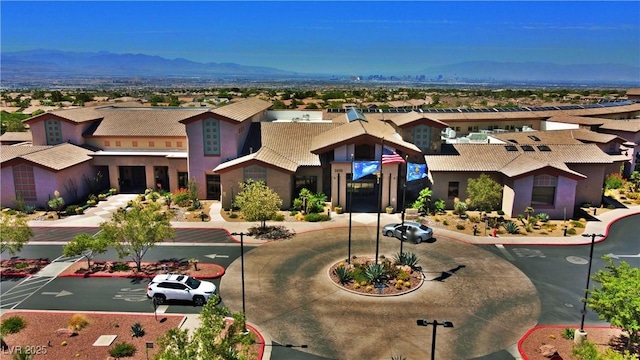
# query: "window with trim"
[[544, 190], [183, 180], [54, 132], [255, 172], [453, 189], [211, 136], [24, 182], [422, 137]]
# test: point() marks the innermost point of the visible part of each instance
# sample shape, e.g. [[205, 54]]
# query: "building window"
[[151, 144], [24, 182], [454, 189], [54, 133], [255, 172], [544, 190], [107, 143], [211, 136], [422, 137], [179, 144], [183, 180], [118, 143], [134, 143], [167, 144], [305, 182]]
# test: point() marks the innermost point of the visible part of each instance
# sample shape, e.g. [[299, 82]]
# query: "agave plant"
[[407, 258], [375, 273], [511, 227], [543, 217], [137, 330], [344, 275]]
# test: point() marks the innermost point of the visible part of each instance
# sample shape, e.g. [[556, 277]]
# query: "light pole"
[[244, 313], [350, 189], [435, 323], [581, 335]]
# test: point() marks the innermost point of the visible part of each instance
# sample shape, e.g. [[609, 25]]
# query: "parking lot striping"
[[26, 282], [161, 309], [505, 252]]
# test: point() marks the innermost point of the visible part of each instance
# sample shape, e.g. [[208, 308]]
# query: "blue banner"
[[416, 171], [364, 168]]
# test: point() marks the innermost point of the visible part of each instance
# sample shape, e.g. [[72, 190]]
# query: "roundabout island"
[[291, 296]]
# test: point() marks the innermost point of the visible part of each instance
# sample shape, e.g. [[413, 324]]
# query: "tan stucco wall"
[[280, 182], [114, 162], [126, 143]]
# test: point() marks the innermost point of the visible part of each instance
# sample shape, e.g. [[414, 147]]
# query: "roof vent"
[[544, 148], [527, 147], [511, 148], [534, 138]]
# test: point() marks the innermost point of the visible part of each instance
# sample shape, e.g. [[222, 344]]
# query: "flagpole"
[[350, 210], [404, 198], [379, 200]]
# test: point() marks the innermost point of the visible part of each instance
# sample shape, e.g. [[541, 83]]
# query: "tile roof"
[[77, 115], [242, 110], [630, 125], [56, 157], [16, 136], [566, 136], [373, 128], [144, 121], [285, 145], [411, 117], [496, 158]]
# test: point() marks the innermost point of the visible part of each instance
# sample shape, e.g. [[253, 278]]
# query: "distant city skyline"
[[333, 37]]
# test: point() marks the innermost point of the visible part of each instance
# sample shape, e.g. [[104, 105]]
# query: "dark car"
[[412, 230]]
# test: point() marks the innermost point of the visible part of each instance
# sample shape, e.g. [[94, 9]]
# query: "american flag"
[[390, 157]]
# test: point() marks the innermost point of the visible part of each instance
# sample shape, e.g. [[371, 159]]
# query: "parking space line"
[[505, 252]]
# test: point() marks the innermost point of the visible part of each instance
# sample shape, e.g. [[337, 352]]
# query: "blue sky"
[[333, 37]]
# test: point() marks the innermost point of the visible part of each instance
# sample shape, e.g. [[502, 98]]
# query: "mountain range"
[[55, 63]]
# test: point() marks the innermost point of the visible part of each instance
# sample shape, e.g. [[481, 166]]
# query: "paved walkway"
[[298, 304]]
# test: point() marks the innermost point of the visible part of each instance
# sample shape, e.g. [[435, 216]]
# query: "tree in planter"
[[309, 202], [133, 232], [57, 203], [209, 341], [257, 201], [617, 301], [86, 245], [14, 233], [484, 193], [529, 210], [423, 201]]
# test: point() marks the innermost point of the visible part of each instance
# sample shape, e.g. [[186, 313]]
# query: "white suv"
[[180, 287]]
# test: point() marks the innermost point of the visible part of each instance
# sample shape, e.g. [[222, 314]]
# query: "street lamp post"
[[244, 313], [581, 335], [435, 323]]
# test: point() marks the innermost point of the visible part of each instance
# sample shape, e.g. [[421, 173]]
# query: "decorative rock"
[[548, 350]]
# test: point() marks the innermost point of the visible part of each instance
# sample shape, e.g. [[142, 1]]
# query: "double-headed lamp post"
[[435, 323], [581, 335], [242, 234]]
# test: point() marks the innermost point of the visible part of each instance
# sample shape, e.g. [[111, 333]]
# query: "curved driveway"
[[290, 297]]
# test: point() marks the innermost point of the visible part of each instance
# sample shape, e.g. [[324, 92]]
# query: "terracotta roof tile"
[[16, 136], [243, 110], [54, 157], [567, 136], [144, 121]]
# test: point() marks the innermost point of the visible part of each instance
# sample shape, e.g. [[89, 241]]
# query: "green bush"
[[569, 333], [122, 349], [71, 209], [577, 224], [460, 226], [278, 217], [233, 216], [12, 325], [315, 217], [571, 231], [544, 217], [500, 212], [120, 267], [614, 181], [137, 330]]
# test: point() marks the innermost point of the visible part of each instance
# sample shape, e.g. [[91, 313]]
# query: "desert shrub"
[[22, 265], [71, 209], [511, 227], [460, 226], [403, 275], [585, 205], [569, 333], [544, 217], [571, 231], [315, 217], [120, 266], [233, 216], [278, 217], [343, 274], [122, 349], [12, 325], [577, 224], [271, 232], [137, 330], [439, 206], [406, 258], [500, 212], [78, 322], [474, 219], [181, 197], [614, 181], [528, 228], [460, 208], [445, 222], [29, 209], [587, 350]]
